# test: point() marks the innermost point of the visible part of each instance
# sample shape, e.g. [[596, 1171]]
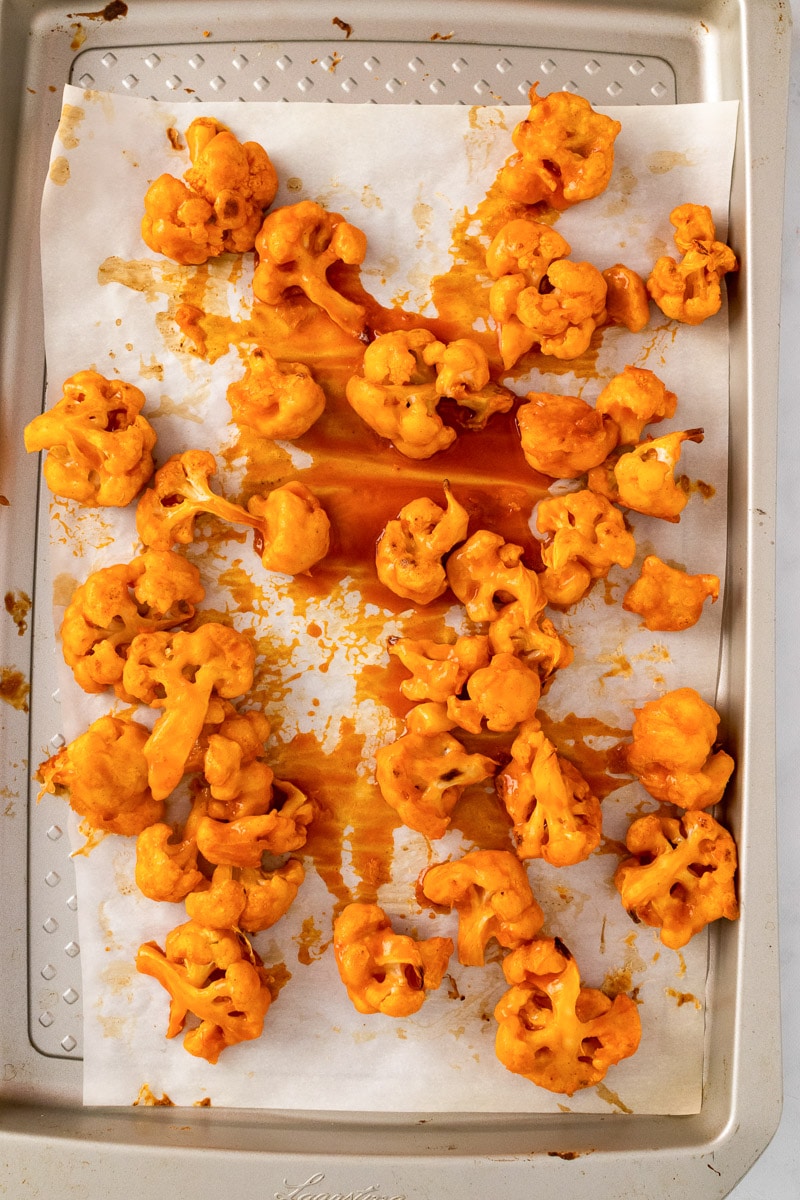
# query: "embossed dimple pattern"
[[370, 72], [344, 72]]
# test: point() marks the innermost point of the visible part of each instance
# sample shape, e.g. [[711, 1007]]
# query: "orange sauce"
[[14, 688], [18, 605]]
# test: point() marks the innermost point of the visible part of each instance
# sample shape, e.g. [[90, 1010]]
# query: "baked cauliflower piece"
[[383, 971], [280, 400], [410, 550], [216, 976], [689, 290], [486, 573], [246, 898], [221, 205], [627, 301], [291, 528], [489, 890], [181, 673], [563, 436], [680, 876], [439, 670], [586, 537], [672, 753], [103, 774], [668, 599], [504, 693], [635, 398], [97, 441], [166, 870], [402, 379], [565, 152], [560, 1035], [538, 643], [423, 774], [556, 817], [643, 478], [277, 823], [296, 247], [157, 590]]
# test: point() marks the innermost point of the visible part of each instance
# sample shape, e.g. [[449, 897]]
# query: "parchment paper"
[[403, 175]]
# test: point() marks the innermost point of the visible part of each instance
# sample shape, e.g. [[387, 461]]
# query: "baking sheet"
[[107, 150]]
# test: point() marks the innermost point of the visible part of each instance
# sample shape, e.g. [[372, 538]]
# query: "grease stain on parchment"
[[68, 126], [59, 171], [662, 161]]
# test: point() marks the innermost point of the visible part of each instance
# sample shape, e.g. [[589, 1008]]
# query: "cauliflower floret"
[[490, 891], [487, 572], [292, 530], [99, 445], [180, 673], [165, 870], [230, 184], [280, 827], [627, 301], [158, 590], [689, 290], [408, 557], [556, 1033], [383, 971], [103, 774], [559, 315], [587, 536], [439, 670], [669, 599], [296, 246], [565, 152], [643, 478], [563, 436], [527, 248], [422, 775], [556, 817], [404, 375], [216, 975], [538, 643], [633, 399], [278, 400], [503, 694], [680, 876], [246, 898], [671, 753]]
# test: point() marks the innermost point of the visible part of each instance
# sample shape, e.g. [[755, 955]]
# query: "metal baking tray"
[[462, 51]]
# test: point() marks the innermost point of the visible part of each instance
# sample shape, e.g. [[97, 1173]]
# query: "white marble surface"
[[776, 1175]]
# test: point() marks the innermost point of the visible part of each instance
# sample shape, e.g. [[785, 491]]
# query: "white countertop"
[[776, 1175]]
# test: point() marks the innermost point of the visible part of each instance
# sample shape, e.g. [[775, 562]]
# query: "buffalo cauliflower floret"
[[222, 203], [627, 301], [423, 774], [278, 400], [383, 971], [296, 247], [565, 152], [538, 643], [667, 598], [403, 377], [503, 694], [215, 975], [489, 890], [103, 773], [409, 554], [643, 478], [680, 876], [559, 316], [98, 443], [487, 572], [181, 673], [166, 870], [246, 898], [158, 590], [280, 827], [292, 530], [556, 1033], [527, 248], [556, 817], [689, 290], [439, 670], [586, 537], [672, 750], [563, 436], [635, 398]]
